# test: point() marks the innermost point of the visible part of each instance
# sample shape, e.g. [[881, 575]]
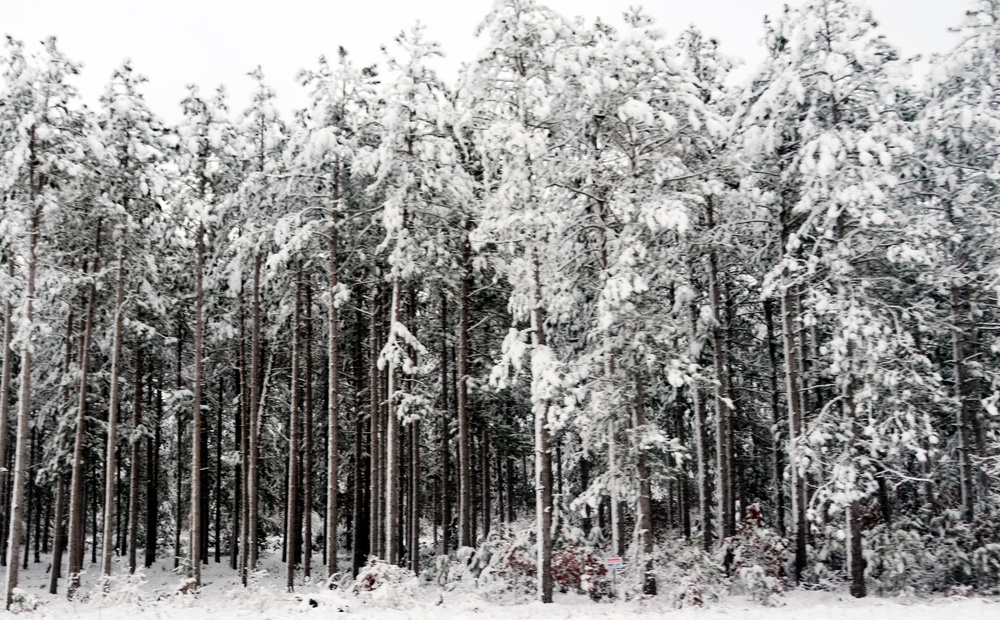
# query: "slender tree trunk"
[[5, 381], [776, 466], [644, 504], [254, 472], [392, 458], [543, 456], [197, 532], [179, 490], [701, 445], [855, 561], [111, 460], [464, 447], [135, 472], [359, 533], [446, 542], [153, 476], [333, 394], [244, 440], [24, 409], [218, 470], [77, 483], [965, 448], [375, 434], [292, 540], [307, 449], [723, 449], [794, 431]]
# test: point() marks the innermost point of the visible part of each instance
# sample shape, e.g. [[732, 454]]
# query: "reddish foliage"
[[578, 569]]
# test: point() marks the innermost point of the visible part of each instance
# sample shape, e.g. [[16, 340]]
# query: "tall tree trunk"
[[307, 448], [24, 409], [111, 460], [445, 435], [6, 373], [723, 449], [464, 447], [254, 473], [197, 533], [243, 436], [965, 448], [855, 561], [644, 504], [77, 482], [292, 540], [333, 394], [701, 443], [375, 525], [543, 455], [135, 472], [776, 466], [794, 431], [179, 490], [153, 476], [359, 533], [392, 459], [218, 469]]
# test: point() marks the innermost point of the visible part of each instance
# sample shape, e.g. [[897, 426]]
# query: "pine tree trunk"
[[77, 483], [135, 472], [855, 561], [965, 448], [179, 460], [446, 542], [776, 466], [24, 410], [197, 523], [375, 518], [254, 472], [794, 431], [644, 504], [243, 435], [111, 459], [392, 460], [153, 476], [723, 449], [333, 396], [464, 447], [359, 533], [5, 381], [543, 456], [307, 448], [292, 540], [701, 444]]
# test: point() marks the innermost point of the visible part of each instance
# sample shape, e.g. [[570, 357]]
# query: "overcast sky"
[[211, 42]]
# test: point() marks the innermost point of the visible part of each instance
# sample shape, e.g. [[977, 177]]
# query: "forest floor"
[[158, 593]]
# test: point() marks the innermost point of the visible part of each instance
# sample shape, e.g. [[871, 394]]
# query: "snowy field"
[[157, 595]]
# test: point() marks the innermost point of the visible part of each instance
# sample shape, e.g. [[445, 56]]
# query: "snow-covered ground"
[[157, 595]]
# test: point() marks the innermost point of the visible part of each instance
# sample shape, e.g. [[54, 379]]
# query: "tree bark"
[[197, 533], [543, 456], [77, 483], [794, 431], [135, 472], [644, 504], [254, 473], [464, 447], [111, 459], [292, 540], [333, 394]]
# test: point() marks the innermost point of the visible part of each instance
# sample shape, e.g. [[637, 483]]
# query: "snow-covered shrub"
[[125, 588], [21, 600], [939, 555], [578, 569], [385, 585], [757, 557], [511, 561], [688, 575]]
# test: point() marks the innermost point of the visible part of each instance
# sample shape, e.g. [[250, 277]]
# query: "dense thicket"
[[593, 286]]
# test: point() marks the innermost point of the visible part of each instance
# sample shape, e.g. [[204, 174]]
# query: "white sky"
[[211, 42]]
